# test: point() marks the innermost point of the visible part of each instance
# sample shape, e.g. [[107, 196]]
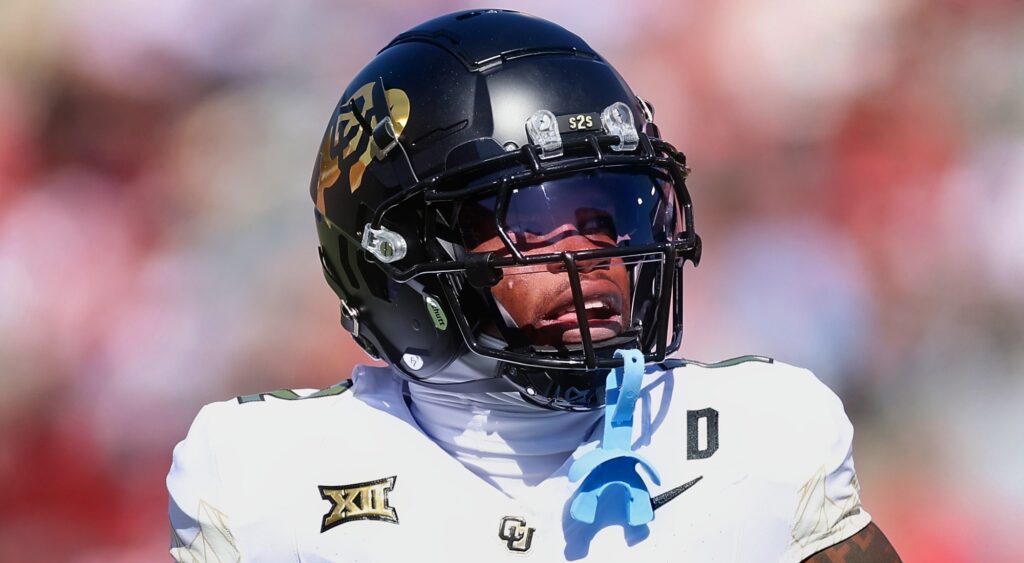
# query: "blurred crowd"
[[858, 178]]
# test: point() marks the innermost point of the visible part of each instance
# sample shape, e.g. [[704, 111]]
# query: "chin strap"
[[613, 464]]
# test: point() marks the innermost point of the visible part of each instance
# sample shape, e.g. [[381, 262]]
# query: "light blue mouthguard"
[[613, 464]]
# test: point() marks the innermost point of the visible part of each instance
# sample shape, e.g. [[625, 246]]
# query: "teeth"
[[591, 305]]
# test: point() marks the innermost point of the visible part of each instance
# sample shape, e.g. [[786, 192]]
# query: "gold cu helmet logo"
[[346, 147]]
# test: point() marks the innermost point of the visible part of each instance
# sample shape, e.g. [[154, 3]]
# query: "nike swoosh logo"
[[663, 498]]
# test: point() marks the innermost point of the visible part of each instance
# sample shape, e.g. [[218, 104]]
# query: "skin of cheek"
[[528, 298]]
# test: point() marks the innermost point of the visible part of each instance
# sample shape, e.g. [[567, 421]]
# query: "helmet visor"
[[600, 209]]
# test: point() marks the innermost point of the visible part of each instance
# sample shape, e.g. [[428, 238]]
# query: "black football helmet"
[[459, 162]]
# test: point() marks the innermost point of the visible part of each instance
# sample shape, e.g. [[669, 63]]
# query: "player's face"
[[595, 210], [540, 300]]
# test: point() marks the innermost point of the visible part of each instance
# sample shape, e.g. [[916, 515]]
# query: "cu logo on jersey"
[[517, 535]]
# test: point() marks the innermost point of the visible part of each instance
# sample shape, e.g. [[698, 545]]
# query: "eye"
[[597, 223]]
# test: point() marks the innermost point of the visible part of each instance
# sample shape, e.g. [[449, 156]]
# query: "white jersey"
[[755, 464]]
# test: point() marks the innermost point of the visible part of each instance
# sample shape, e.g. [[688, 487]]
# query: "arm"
[[866, 546]]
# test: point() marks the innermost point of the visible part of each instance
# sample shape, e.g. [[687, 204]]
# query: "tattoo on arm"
[[866, 546]]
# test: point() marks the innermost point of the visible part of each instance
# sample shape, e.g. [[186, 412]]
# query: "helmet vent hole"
[[467, 15]]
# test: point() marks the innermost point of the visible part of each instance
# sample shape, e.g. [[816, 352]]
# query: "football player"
[[506, 228]]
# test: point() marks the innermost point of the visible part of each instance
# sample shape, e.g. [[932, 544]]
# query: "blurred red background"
[[858, 182]]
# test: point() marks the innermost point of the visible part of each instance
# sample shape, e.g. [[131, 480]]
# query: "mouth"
[[603, 304], [596, 307]]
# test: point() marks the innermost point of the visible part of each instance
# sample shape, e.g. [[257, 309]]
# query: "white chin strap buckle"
[[387, 246], [542, 128], [617, 120]]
